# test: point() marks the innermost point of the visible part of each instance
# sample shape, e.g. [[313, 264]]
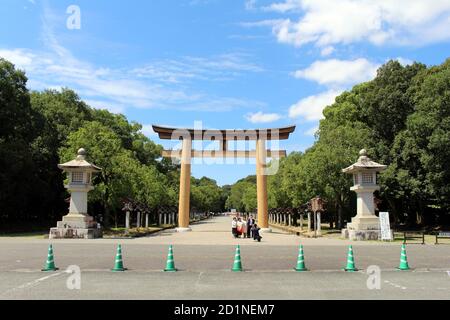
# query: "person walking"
[[234, 227], [250, 223]]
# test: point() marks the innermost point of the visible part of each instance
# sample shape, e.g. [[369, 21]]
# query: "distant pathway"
[[214, 231]]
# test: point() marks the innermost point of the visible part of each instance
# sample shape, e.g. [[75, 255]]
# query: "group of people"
[[245, 228]]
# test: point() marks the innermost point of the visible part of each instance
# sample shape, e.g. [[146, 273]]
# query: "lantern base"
[[77, 221], [367, 222], [361, 235], [76, 226], [363, 228], [75, 233]]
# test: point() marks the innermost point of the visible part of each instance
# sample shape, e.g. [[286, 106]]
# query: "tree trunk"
[[394, 211], [106, 218], [339, 216]]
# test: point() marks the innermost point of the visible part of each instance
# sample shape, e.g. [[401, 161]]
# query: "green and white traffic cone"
[[237, 265], [350, 261], [403, 259], [170, 264], [118, 265], [300, 261], [50, 263]]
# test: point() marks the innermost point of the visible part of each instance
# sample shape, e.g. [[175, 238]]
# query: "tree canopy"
[[41, 129], [402, 118]]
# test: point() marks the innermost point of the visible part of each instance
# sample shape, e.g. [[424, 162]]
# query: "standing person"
[[255, 232], [234, 227], [239, 227], [244, 229], [250, 223]]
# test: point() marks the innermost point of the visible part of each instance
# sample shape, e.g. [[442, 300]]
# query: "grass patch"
[[31, 234], [132, 232]]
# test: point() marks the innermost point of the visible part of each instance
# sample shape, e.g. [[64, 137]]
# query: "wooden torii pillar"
[[186, 154]]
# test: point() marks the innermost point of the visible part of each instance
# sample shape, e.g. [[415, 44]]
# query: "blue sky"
[[227, 63]]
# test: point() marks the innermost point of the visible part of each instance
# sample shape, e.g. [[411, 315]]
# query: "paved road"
[[205, 257]]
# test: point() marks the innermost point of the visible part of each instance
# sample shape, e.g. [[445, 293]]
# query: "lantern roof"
[[79, 163], [364, 163]]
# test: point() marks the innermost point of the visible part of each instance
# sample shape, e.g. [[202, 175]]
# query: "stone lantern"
[[78, 224], [365, 225]]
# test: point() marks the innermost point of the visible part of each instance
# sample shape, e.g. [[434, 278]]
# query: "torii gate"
[[223, 136]]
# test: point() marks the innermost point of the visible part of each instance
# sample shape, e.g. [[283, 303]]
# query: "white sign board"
[[233, 210], [385, 226]]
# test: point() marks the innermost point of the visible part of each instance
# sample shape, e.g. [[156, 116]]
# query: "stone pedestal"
[[361, 235], [76, 226], [363, 228]]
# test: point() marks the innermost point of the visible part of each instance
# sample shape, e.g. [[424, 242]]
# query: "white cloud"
[[312, 131], [339, 73], [328, 22], [310, 108], [119, 88], [105, 104], [147, 130], [404, 61], [19, 57], [114, 89], [216, 68], [288, 5], [260, 117], [262, 23], [335, 75], [327, 51]]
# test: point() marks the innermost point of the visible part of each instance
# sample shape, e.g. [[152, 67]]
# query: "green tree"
[[104, 148], [206, 195], [26, 192]]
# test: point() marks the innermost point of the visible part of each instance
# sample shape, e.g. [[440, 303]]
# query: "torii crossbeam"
[[223, 136]]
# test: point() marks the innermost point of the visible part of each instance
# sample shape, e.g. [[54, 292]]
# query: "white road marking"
[[395, 285], [32, 283], [197, 283]]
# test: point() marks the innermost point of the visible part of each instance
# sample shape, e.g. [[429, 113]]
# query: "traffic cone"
[[403, 259], [118, 265], [170, 264], [300, 260], [350, 261], [237, 265], [50, 263]]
